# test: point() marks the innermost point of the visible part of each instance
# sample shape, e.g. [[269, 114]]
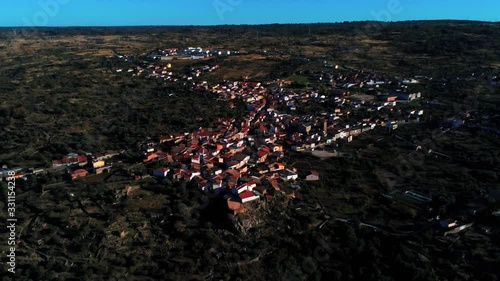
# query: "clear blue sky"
[[214, 12]]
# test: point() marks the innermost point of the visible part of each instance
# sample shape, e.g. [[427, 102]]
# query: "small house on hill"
[[161, 172], [248, 196], [79, 173], [314, 176]]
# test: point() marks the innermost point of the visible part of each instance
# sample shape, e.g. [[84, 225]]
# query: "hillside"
[[123, 96]]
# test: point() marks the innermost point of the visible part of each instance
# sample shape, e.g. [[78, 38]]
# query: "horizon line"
[[250, 24]]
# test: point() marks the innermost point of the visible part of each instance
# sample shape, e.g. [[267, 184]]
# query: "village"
[[223, 141], [241, 159], [360, 146]]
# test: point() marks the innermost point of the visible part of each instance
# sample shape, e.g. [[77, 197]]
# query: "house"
[[234, 206], [57, 163], [314, 176], [217, 186], [355, 132], [262, 156], [162, 155], [288, 175], [18, 175], [97, 163], [82, 160], [196, 159], [71, 159], [406, 96], [241, 159], [244, 131], [277, 148], [276, 166], [448, 223], [178, 174], [249, 186], [150, 157], [194, 173], [248, 196], [233, 174], [387, 98], [161, 172], [79, 173]]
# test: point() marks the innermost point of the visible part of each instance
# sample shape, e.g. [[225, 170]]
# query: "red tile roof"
[[162, 170], [261, 153], [233, 174], [246, 194], [79, 173], [227, 155], [234, 205], [69, 159]]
